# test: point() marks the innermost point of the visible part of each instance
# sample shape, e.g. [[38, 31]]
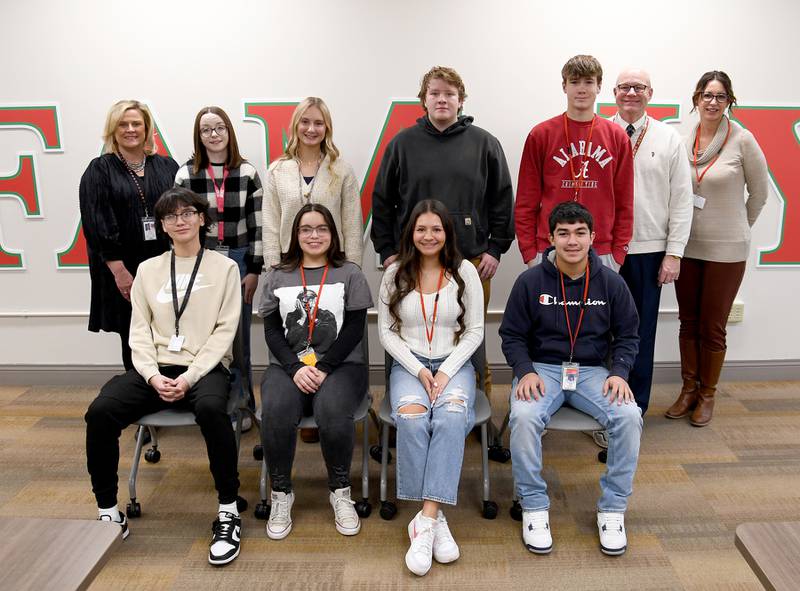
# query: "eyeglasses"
[[186, 215], [306, 231], [637, 88], [207, 131], [721, 97]]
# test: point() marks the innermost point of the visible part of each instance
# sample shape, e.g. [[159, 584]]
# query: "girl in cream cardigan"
[[310, 171]]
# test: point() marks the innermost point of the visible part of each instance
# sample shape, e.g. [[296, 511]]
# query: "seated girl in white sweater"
[[431, 322]]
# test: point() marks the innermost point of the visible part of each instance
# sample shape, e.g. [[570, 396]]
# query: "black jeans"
[[127, 397], [333, 407]]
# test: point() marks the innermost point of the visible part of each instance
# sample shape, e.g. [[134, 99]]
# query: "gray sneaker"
[[279, 523], [347, 521]]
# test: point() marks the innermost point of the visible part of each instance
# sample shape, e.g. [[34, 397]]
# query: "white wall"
[[179, 56]]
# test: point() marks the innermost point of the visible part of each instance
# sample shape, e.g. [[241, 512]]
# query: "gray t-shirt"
[[345, 289]]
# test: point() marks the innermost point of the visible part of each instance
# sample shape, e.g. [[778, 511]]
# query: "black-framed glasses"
[[186, 215], [637, 88], [220, 129], [720, 97], [306, 231]]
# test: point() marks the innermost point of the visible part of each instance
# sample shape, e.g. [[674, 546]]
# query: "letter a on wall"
[[21, 184]]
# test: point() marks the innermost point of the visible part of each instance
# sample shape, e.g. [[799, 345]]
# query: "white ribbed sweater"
[[334, 186], [412, 338]]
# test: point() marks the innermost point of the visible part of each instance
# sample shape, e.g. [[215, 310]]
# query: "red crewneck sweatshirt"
[[603, 172]]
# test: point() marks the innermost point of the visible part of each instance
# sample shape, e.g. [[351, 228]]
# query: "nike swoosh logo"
[[164, 295], [236, 533]]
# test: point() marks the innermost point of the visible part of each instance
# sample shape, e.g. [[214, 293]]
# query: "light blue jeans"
[[430, 444], [530, 417], [237, 255]]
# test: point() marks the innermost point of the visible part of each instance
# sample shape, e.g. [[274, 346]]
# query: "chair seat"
[[483, 411], [173, 417], [567, 418], [310, 423]]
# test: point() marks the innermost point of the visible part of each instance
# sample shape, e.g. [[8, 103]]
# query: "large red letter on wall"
[[75, 255], [775, 129], [21, 184]]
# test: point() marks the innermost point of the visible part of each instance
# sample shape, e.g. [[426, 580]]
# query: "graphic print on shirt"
[[582, 156], [164, 295], [294, 303]]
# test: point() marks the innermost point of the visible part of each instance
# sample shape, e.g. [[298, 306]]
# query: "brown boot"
[[710, 368], [687, 399], [309, 435]]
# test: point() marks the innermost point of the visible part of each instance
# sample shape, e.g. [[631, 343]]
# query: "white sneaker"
[[536, 531], [280, 515], [445, 548], [611, 527], [122, 523], [420, 554], [347, 521]]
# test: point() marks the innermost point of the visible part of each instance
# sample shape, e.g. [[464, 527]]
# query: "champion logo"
[[164, 295], [546, 299]]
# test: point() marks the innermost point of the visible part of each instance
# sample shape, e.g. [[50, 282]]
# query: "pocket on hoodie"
[[471, 236]]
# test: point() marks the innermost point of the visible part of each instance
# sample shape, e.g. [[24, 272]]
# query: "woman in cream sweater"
[[310, 171], [726, 163]]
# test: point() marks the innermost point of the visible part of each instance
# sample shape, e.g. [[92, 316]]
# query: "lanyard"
[[575, 177], [179, 311], [429, 333], [312, 316], [698, 176], [138, 186], [574, 338], [641, 136], [220, 194]]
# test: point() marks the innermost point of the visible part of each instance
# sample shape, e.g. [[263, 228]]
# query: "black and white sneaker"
[[122, 524], [227, 530]]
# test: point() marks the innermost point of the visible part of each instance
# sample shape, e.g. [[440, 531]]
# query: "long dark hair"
[[293, 257], [405, 279]]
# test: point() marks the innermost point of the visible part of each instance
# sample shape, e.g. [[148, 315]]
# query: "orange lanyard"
[[641, 136], [569, 147], [714, 161], [312, 316], [574, 338], [429, 333]]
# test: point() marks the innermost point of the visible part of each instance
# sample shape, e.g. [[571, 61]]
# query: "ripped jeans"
[[430, 445]]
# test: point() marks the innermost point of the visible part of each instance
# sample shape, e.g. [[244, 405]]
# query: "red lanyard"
[[694, 154], [312, 316], [429, 334], [574, 338], [641, 136], [575, 177], [220, 193]]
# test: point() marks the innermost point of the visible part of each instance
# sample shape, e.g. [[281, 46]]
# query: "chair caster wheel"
[[258, 453], [376, 451], [516, 511], [241, 504], [363, 508], [262, 510], [388, 510], [152, 456], [133, 510], [498, 453], [602, 456], [489, 510]]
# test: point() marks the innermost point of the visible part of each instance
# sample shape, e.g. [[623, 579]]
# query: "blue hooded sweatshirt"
[[534, 327]]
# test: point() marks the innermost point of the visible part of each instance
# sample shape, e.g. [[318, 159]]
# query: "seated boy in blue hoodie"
[[562, 318]]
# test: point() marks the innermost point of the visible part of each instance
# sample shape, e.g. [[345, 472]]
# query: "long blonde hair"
[[116, 113], [328, 147]]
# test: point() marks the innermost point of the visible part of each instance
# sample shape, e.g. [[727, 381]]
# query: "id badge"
[[308, 356], [569, 375], [176, 343], [699, 201], [223, 250], [149, 228]]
